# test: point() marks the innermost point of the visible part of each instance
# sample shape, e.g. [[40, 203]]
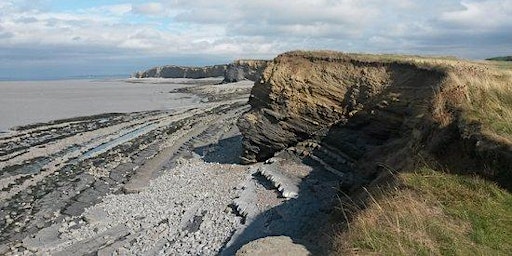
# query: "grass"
[[490, 99], [502, 58], [432, 213]]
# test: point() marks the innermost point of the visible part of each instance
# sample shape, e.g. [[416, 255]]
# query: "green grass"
[[503, 58], [485, 206], [433, 213]]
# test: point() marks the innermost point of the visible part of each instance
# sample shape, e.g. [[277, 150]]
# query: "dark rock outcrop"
[[183, 72]]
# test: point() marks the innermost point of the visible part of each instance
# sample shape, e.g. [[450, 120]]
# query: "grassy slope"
[[431, 212]]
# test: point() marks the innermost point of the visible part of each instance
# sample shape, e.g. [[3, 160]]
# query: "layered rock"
[[245, 69], [237, 71], [375, 112], [172, 71], [302, 95]]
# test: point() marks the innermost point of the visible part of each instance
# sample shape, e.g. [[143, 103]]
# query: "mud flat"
[[29, 102], [165, 182]]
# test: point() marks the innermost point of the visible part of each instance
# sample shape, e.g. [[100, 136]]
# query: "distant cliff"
[[172, 71], [245, 69], [233, 72]]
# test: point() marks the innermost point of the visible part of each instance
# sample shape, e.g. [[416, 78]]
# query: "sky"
[[42, 39]]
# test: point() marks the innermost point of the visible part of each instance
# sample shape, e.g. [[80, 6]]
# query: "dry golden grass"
[[490, 99], [481, 90], [431, 213]]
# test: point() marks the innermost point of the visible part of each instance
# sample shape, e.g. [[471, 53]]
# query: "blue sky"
[[57, 38]]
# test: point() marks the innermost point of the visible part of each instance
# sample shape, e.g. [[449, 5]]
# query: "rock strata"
[[302, 95], [376, 113]]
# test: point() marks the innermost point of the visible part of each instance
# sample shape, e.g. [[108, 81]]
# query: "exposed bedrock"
[[374, 113], [302, 95]]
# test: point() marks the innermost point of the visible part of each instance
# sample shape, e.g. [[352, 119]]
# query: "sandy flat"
[[26, 102]]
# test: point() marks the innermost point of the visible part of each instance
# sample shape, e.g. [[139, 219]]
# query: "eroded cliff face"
[[302, 95], [375, 114]]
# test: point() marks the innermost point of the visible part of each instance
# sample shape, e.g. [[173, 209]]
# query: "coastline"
[[150, 182], [29, 102]]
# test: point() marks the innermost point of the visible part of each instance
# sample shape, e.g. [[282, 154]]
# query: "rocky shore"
[[155, 183]]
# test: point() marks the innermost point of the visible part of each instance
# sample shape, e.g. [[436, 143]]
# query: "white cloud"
[[491, 14], [260, 28]]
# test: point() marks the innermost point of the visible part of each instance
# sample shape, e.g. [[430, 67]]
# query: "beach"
[[158, 178]]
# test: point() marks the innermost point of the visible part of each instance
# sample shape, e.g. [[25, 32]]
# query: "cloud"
[[154, 9], [257, 29], [483, 15]]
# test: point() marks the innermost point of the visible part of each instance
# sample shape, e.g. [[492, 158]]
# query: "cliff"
[[172, 71], [245, 69], [237, 71], [383, 112]]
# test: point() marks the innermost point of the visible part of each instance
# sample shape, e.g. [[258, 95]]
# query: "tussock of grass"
[[432, 213]]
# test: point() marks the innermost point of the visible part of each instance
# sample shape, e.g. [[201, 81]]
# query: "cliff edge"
[[383, 112]]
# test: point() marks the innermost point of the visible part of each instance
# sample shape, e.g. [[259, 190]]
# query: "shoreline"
[[30, 102], [79, 184]]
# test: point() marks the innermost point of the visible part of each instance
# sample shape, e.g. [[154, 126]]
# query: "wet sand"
[[27, 102]]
